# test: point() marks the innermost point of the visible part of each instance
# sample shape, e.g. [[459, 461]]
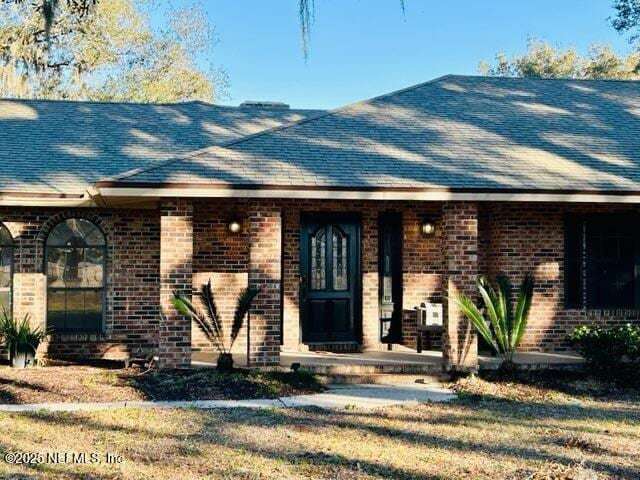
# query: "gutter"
[[25, 199], [109, 193], [161, 190]]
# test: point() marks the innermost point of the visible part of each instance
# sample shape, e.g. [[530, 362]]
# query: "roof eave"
[[46, 199], [163, 190]]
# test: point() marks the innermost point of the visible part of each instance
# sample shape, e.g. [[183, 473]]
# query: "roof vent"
[[262, 104]]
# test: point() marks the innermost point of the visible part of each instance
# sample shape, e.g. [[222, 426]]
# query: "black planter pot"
[[23, 358], [225, 363]]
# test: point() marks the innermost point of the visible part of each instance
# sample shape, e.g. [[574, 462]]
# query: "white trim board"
[[214, 192]]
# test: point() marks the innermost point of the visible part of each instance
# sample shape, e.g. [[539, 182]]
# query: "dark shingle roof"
[[65, 147], [454, 132]]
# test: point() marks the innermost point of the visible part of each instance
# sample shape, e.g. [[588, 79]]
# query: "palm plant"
[[20, 339], [503, 328], [210, 322]]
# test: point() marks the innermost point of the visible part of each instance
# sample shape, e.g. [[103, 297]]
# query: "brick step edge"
[[383, 378], [373, 369]]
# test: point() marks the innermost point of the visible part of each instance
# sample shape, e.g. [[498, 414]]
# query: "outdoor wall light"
[[428, 227], [234, 226]]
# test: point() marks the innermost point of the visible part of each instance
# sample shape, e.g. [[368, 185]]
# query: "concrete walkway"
[[336, 397]]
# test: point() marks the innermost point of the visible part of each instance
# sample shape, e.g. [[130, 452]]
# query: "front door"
[[329, 278]]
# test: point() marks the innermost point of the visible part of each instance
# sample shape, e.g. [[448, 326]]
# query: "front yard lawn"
[[505, 430], [78, 383]]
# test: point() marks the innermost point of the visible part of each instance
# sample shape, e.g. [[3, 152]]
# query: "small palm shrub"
[[497, 322], [607, 350], [19, 337], [210, 322]]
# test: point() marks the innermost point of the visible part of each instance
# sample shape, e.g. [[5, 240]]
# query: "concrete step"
[[375, 373], [372, 369], [380, 379]]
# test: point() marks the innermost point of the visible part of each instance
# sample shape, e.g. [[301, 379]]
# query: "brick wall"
[[530, 238], [460, 225], [132, 281], [176, 274], [512, 238], [222, 257], [423, 264], [265, 274]]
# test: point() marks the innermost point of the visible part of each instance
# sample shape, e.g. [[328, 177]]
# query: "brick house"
[[341, 218]]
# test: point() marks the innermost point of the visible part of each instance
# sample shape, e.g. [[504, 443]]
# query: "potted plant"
[[504, 327], [20, 339], [210, 322]]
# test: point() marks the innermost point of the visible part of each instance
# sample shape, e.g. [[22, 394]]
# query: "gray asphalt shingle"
[[65, 147], [454, 132]]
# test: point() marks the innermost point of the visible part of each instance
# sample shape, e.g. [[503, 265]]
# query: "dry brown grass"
[[505, 431], [81, 383]]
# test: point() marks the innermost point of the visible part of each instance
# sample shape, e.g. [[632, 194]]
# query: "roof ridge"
[[322, 114], [326, 113], [149, 104], [564, 79], [138, 171], [108, 102]]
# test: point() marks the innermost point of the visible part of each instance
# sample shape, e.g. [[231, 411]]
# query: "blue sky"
[[363, 48]]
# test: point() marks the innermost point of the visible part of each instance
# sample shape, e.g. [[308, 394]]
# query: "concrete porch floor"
[[396, 361]]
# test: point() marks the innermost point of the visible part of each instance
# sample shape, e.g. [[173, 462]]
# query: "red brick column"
[[370, 293], [265, 273], [460, 222], [176, 271]]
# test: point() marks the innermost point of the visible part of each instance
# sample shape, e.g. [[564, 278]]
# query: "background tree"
[[106, 51], [546, 61], [48, 9], [627, 18]]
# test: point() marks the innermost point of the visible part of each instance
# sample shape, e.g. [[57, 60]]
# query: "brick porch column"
[[459, 342], [265, 273], [176, 269], [370, 292]]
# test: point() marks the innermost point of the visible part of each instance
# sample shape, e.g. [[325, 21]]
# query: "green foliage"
[[108, 52], [19, 335], [209, 319], [503, 328], [543, 60], [627, 18], [606, 349]]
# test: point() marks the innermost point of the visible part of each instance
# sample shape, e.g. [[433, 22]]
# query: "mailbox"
[[429, 315], [429, 320]]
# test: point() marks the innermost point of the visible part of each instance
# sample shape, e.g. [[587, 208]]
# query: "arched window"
[[75, 264], [6, 268]]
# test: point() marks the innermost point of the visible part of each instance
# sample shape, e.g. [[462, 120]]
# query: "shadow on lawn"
[[42, 470], [359, 422], [7, 396], [219, 427], [615, 386], [482, 413]]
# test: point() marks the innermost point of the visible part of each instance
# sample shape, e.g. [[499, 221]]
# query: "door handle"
[[303, 286]]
